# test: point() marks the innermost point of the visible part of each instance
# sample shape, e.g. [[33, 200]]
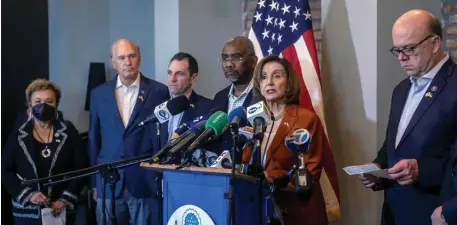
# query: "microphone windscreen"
[[239, 112], [178, 104], [217, 122], [298, 141]]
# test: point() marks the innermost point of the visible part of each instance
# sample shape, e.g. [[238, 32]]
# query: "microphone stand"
[[159, 177], [231, 217], [109, 172]]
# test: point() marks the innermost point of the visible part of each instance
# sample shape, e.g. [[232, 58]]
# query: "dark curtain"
[[25, 57]]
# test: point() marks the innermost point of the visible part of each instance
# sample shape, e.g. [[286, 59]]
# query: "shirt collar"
[[135, 84], [432, 73], [245, 92]]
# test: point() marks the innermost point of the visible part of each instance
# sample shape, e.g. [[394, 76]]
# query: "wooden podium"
[[208, 188]]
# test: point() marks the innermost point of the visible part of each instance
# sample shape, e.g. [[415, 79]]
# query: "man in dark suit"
[[116, 107], [446, 214], [182, 75], [238, 62], [422, 124]]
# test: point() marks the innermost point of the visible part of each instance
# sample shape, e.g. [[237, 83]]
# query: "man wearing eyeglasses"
[[422, 125], [238, 62]]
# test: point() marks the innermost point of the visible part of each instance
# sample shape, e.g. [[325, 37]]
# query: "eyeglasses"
[[232, 57], [408, 50]]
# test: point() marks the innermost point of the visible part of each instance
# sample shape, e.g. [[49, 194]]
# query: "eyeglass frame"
[[231, 57], [411, 48]]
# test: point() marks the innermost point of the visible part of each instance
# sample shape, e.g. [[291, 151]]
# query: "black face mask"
[[44, 112]]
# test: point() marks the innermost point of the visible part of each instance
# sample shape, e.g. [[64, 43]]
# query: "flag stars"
[[281, 23], [269, 20], [273, 37], [261, 4], [258, 16], [293, 26], [307, 15], [270, 50], [265, 33], [279, 38], [297, 11], [276, 22], [285, 9], [272, 5]]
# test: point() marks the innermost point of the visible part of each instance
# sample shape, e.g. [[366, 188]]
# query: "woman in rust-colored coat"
[[275, 80]]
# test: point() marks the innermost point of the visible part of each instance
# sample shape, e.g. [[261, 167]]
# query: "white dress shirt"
[[234, 101], [126, 97], [416, 93]]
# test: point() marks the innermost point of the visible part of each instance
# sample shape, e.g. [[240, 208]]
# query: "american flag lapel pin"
[[434, 88], [141, 95], [428, 94]]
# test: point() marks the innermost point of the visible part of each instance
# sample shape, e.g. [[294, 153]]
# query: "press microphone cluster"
[[166, 110]]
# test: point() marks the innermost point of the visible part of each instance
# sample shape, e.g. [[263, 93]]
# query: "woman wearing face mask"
[[278, 86], [43, 146]]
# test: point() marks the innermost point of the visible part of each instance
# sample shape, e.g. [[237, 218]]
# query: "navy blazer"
[[428, 139], [221, 102], [110, 141], [18, 164], [449, 190], [199, 106]]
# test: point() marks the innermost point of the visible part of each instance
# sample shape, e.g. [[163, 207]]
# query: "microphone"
[[223, 161], [299, 142], [166, 110], [236, 119], [215, 126], [180, 133], [259, 116], [193, 132]]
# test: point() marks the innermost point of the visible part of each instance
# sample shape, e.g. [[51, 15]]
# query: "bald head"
[[122, 43], [243, 43], [419, 22], [125, 57]]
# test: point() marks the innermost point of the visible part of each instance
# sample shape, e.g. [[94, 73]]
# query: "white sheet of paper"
[[371, 169], [48, 219]]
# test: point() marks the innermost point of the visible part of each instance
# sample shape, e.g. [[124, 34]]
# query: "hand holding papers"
[[371, 169]]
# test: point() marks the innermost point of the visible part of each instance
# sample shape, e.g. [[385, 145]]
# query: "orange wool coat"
[[279, 160]]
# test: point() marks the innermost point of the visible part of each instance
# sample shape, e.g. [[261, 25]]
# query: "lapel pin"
[[141, 98], [434, 88], [192, 105], [58, 140], [142, 92], [56, 135], [428, 94]]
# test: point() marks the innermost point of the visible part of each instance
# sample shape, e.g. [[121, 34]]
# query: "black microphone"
[[194, 133], [166, 110]]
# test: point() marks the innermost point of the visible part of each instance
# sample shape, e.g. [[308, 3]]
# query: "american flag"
[[284, 28]]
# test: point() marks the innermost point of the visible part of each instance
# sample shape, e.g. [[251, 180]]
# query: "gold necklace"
[[276, 118], [46, 152]]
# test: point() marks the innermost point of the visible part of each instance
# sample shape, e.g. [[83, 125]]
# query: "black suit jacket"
[[221, 101], [18, 163], [428, 138]]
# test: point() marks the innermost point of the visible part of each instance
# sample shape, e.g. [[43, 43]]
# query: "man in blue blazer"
[[116, 108], [422, 124], [238, 62], [446, 214]]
